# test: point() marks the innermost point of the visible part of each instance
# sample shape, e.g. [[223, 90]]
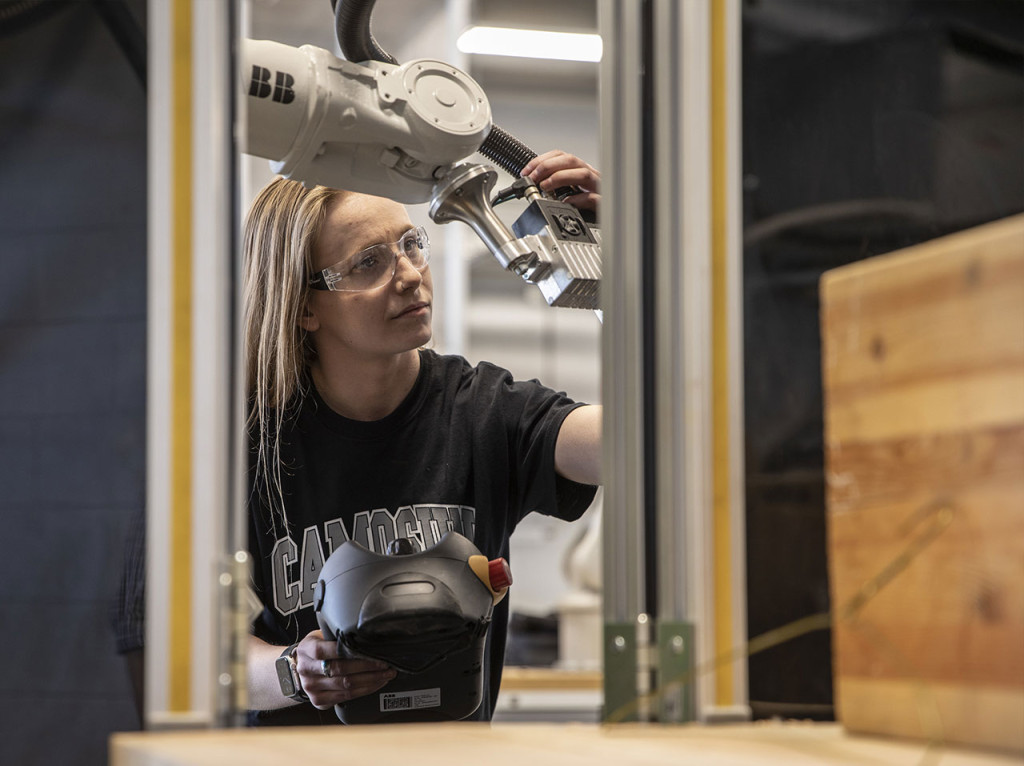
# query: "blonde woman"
[[360, 433]]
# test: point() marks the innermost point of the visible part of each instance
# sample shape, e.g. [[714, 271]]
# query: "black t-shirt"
[[469, 449]]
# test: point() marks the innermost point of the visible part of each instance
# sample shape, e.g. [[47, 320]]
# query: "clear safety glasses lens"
[[376, 265]]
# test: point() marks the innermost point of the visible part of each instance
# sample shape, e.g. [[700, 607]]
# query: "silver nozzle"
[[462, 194]]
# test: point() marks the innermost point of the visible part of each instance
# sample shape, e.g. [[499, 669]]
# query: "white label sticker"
[[395, 702]]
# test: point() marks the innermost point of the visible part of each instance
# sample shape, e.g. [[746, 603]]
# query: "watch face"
[[287, 687], [284, 676]]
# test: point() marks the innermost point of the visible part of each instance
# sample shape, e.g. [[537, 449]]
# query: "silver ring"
[[325, 668]]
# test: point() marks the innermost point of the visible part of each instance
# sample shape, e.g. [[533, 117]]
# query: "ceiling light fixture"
[[530, 43]]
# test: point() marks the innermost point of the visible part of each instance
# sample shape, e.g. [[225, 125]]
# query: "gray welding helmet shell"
[[425, 613]]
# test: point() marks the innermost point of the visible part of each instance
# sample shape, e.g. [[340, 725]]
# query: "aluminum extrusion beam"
[[621, 111]]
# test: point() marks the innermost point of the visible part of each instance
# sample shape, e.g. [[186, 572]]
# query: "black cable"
[[352, 27]]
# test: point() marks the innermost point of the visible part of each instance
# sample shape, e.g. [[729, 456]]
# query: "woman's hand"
[[348, 678], [555, 169]]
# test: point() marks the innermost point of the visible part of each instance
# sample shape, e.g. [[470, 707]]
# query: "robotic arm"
[[374, 128], [401, 132]]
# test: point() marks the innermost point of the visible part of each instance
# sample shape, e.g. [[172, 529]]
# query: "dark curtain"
[[72, 367]]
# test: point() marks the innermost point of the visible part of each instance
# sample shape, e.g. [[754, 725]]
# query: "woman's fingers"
[[555, 169], [585, 201], [330, 680], [349, 680]]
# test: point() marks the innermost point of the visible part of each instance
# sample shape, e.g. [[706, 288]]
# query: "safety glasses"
[[374, 266]]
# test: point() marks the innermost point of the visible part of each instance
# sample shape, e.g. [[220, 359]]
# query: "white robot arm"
[[374, 128], [400, 132]]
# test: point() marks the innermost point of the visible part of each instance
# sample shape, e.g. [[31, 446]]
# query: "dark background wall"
[[867, 127], [72, 372]]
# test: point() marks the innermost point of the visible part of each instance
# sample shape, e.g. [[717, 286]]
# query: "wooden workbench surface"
[[757, 744]]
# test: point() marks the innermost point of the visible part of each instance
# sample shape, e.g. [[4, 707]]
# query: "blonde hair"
[[280, 230]]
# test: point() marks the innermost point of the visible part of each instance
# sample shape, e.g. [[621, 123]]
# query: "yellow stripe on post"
[[180, 618], [722, 531]]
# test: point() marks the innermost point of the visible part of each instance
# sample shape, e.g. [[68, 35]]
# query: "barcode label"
[[391, 702]]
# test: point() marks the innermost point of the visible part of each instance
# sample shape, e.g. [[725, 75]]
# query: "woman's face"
[[383, 321]]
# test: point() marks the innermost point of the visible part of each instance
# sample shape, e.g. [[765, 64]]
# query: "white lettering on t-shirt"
[[375, 529]]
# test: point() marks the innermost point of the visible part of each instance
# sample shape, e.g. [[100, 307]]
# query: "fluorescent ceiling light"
[[530, 43]]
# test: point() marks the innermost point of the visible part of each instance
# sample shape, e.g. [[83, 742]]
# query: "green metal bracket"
[[676, 674], [620, 656]]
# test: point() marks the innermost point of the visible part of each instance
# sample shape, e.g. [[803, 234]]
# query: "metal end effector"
[[551, 247]]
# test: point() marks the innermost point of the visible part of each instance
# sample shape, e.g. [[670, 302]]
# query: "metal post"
[[672, 371], [622, 362], [676, 452], [190, 396]]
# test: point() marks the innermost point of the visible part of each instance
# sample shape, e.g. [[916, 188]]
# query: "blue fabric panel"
[[72, 379]]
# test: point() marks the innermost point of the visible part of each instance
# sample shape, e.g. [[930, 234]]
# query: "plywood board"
[[923, 370]]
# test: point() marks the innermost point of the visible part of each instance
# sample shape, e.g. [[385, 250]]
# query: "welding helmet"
[[425, 613]]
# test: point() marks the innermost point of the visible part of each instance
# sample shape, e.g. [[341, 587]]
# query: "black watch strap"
[[288, 675]]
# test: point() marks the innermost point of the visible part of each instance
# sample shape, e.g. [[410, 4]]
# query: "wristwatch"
[[288, 675]]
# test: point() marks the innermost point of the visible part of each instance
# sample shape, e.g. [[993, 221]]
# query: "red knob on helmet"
[[499, 574]]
